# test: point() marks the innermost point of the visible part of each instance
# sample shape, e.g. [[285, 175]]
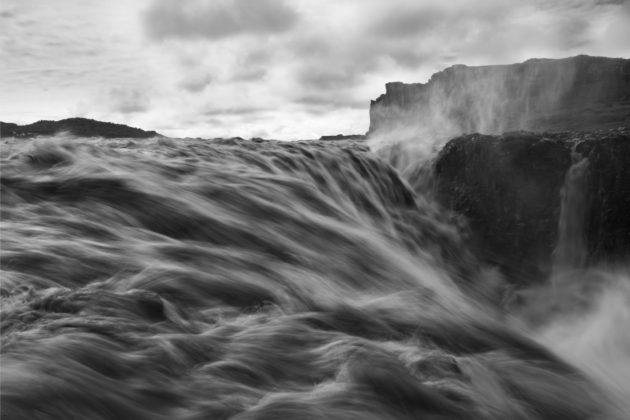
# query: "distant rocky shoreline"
[[82, 127]]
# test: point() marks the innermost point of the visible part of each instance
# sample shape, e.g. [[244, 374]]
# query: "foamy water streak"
[[571, 251], [233, 279]]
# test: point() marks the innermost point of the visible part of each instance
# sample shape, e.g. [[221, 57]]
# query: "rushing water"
[[189, 279], [570, 251]]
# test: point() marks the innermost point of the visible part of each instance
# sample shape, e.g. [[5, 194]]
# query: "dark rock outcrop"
[[510, 188], [82, 127], [577, 93]]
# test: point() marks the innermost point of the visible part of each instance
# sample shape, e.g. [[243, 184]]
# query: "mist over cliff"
[[510, 187], [574, 93]]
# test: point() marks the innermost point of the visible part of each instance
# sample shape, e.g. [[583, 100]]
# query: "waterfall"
[[190, 278], [571, 250]]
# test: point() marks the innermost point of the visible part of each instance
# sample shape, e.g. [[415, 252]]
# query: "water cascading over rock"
[[571, 250], [533, 200], [160, 279]]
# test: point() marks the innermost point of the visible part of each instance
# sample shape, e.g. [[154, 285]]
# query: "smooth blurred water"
[[224, 279], [571, 251]]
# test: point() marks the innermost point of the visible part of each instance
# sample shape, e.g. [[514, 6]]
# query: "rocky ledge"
[[537, 200]]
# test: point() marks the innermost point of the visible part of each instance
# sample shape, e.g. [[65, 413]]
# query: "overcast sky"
[[272, 68]]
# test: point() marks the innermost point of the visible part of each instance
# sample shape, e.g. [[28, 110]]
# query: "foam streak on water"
[[571, 251], [162, 279]]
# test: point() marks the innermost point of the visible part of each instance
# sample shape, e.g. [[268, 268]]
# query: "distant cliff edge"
[[82, 127], [576, 93]]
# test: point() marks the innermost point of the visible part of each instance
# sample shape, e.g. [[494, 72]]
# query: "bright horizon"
[[268, 68]]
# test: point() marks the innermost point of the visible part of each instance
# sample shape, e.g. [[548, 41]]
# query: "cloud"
[[239, 110], [402, 23], [217, 19], [128, 101], [253, 66], [406, 18], [574, 33], [320, 103], [249, 74], [614, 2], [196, 83], [327, 77]]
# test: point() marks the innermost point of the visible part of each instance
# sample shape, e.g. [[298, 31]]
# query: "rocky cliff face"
[[524, 194], [575, 93]]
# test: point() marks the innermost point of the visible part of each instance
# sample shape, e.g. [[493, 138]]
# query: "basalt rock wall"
[[510, 190]]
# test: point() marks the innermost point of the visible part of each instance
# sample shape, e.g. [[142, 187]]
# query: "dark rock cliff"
[[576, 93], [510, 190], [77, 126]]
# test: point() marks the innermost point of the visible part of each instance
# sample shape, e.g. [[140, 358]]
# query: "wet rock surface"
[[509, 188]]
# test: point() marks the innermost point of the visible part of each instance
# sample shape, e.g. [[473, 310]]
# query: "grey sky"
[[283, 69]]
